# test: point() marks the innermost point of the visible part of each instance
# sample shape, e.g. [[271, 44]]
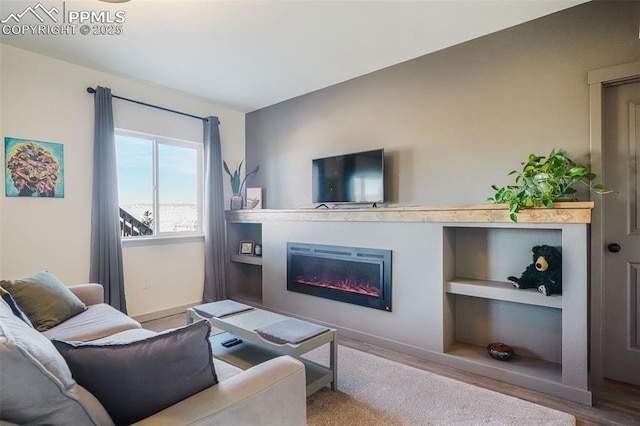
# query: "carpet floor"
[[374, 391]]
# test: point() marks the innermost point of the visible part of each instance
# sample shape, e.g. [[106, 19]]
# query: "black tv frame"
[[323, 202]]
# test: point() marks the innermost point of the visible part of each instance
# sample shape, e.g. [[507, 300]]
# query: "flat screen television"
[[349, 178]]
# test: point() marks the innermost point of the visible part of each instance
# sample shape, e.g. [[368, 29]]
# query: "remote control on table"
[[226, 342], [235, 342]]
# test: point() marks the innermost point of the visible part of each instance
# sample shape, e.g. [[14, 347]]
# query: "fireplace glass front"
[[355, 275]]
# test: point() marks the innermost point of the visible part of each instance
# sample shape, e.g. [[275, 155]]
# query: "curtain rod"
[[92, 91]]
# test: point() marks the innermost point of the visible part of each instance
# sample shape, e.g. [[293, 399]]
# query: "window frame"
[[167, 236]]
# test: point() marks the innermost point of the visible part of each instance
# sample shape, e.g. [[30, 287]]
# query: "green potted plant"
[[236, 185], [543, 181]]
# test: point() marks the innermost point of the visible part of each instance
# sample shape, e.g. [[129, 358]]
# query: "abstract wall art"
[[33, 168]]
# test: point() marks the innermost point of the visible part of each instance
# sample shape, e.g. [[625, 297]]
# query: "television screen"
[[350, 178]]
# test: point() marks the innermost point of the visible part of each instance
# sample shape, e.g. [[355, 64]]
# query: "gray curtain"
[[213, 224], [106, 248]]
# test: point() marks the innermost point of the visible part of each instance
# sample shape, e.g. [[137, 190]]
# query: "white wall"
[[45, 99]]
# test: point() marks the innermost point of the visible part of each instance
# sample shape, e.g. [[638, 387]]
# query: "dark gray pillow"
[[134, 380], [44, 299]]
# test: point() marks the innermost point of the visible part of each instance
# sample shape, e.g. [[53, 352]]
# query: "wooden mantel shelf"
[[573, 212]]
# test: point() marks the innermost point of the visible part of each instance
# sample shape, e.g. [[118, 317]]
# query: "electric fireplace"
[[361, 276]]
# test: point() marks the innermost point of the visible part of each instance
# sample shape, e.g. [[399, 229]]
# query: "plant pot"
[[236, 202]]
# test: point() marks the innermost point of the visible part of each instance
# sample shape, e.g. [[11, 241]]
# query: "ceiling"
[[247, 55]]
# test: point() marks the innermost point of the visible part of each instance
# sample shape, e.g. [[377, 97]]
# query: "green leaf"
[[577, 171], [513, 217], [226, 168], [529, 181], [514, 207]]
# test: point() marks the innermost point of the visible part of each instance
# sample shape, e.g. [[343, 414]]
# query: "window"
[[159, 185]]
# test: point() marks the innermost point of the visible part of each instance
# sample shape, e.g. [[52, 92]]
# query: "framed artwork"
[[246, 247], [33, 168], [254, 198]]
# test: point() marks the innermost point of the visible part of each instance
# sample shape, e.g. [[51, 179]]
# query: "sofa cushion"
[[9, 300], [36, 386], [126, 336], [134, 380], [97, 321], [225, 370], [44, 299]]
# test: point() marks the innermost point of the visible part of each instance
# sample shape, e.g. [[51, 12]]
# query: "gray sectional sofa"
[[37, 387]]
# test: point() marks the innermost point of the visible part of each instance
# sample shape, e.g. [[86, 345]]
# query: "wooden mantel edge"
[[566, 212]]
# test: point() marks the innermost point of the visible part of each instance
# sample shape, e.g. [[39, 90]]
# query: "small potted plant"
[[236, 185], [544, 181]]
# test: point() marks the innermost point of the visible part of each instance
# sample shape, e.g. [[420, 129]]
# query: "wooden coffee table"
[[254, 349]]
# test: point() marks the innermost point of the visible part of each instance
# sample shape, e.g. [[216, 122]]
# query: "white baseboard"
[[165, 312]]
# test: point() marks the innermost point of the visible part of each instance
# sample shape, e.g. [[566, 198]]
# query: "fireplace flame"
[[344, 285]]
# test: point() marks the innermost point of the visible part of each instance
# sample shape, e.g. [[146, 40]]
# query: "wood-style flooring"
[[613, 403]]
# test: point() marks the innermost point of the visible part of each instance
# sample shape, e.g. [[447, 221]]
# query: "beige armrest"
[[90, 294], [271, 393]]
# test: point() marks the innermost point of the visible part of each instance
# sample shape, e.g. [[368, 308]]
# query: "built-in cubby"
[[481, 306], [244, 271]]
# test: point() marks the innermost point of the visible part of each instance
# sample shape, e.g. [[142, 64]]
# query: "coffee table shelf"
[[247, 354]]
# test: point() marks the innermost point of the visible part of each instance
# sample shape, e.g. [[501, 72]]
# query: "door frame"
[[598, 80]]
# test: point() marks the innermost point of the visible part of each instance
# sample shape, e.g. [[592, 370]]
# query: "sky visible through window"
[[177, 182]]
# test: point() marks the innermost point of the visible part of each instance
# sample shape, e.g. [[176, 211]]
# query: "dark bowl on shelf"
[[500, 351]]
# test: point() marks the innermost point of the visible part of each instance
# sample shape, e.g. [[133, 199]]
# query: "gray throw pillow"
[[134, 380], [44, 299], [9, 300]]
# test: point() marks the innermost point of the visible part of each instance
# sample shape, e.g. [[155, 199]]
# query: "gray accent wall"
[[452, 122]]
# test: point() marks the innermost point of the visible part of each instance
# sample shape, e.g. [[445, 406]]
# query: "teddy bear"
[[545, 273]]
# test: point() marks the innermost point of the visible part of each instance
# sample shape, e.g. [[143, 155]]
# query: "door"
[[622, 233]]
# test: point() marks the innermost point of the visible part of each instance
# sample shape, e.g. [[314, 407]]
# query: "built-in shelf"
[[246, 258], [498, 290], [521, 365], [571, 212], [243, 271], [480, 248], [481, 306]]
